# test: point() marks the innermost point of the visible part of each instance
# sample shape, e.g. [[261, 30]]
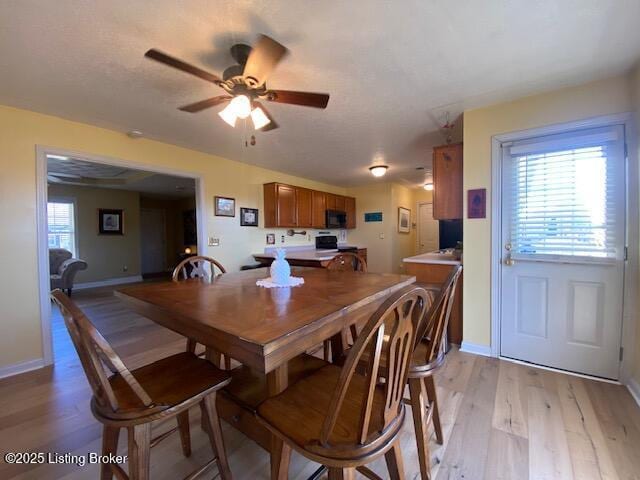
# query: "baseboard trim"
[[476, 349], [22, 367], [634, 388], [108, 282]]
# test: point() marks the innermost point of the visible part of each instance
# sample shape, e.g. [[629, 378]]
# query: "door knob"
[[509, 262], [507, 246]]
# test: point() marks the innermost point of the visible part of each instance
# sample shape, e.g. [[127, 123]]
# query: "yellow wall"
[[593, 99], [374, 198], [635, 94], [21, 131], [107, 256], [404, 244]]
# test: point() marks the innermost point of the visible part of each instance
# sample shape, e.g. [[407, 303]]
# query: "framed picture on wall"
[[404, 220], [248, 217], [225, 206], [110, 221]]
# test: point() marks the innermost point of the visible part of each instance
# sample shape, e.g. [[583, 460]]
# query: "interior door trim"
[[630, 319]]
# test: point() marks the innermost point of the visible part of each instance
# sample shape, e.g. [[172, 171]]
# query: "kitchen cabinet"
[[318, 209], [288, 206], [280, 208], [304, 207], [447, 182], [350, 208]]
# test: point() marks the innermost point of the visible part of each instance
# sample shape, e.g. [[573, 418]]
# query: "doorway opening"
[[105, 222]]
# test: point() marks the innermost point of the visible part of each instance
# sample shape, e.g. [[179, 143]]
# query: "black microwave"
[[336, 219]]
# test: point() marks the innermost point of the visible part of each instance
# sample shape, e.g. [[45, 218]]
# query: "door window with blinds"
[[565, 196], [61, 225]]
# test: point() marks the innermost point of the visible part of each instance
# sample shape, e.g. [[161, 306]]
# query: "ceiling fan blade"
[[272, 125], [203, 104], [264, 57], [307, 99], [161, 57]]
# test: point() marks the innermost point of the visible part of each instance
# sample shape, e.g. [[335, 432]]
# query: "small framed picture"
[[110, 221], [271, 238], [225, 207], [477, 203], [404, 220], [248, 217]]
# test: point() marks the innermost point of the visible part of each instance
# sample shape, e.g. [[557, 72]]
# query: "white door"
[[428, 229], [563, 238], [152, 240]]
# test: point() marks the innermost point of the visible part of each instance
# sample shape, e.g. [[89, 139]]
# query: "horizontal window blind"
[[61, 226], [563, 200]]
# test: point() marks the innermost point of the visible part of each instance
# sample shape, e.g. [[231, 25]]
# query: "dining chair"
[[345, 419], [428, 355], [345, 262], [427, 358], [133, 399], [196, 267]]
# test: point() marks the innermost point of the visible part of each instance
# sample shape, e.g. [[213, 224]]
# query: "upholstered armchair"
[[63, 269]]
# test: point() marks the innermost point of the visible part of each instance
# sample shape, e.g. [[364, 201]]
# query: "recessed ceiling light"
[[378, 170], [428, 186], [135, 134]]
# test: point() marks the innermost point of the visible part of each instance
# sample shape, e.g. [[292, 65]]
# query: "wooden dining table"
[[267, 330]]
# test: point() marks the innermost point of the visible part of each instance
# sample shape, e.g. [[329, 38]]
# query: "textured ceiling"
[[391, 69], [71, 171]]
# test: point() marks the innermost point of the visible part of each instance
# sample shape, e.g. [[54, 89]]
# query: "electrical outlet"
[[214, 242], [282, 239]]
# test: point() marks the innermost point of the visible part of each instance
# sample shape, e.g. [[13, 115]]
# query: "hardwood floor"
[[500, 420]]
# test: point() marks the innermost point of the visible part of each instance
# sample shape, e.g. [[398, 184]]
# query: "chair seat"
[[299, 412], [170, 381]]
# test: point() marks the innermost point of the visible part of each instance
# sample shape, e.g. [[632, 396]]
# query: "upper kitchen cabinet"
[[280, 205], [304, 207], [350, 208], [287, 206], [447, 182], [319, 208]]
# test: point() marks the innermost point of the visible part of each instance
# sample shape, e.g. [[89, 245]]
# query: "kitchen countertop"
[[304, 252], [433, 258]]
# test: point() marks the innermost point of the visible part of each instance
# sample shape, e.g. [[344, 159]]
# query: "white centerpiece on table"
[[280, 273]]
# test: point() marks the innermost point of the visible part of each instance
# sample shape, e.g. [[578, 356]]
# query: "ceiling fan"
[[245, 84]]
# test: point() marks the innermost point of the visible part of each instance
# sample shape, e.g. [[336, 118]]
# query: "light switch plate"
[[214, 242], [382, 236]]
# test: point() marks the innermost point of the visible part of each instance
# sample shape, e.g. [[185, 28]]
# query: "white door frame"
[[41, 219], [629, 316]]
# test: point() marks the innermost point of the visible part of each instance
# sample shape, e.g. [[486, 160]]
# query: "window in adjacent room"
[[62, 225]]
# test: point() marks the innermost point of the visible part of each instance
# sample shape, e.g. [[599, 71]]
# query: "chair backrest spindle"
[[392, 327], [196, 267]]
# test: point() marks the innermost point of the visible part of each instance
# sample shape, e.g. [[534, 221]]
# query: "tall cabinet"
[[447, 182]]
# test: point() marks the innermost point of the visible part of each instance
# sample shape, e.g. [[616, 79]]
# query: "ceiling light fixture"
[[428, 186], [259, 118], [228, 115], [378, 170], [239, 107]]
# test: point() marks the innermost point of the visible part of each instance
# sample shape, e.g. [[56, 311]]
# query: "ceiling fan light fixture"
[[378, 170], [259, 118], [228, 115], [428, 187], [241, 106]]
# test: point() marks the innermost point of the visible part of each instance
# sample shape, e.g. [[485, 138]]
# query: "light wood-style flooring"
[[501, 420]]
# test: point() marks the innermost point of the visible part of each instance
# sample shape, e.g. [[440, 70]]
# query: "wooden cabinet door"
[[319, 209], [340, 203], [286, 206], [304, 207], [331, 201], [447, 182], [350, 208]]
